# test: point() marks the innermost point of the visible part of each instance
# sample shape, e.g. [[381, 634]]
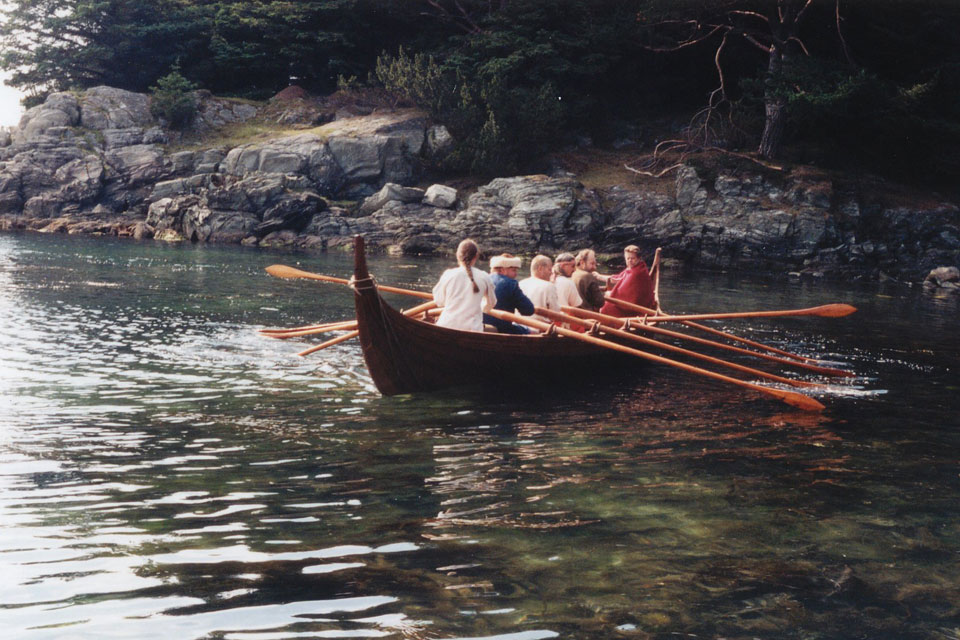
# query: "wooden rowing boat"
[[407, 354]]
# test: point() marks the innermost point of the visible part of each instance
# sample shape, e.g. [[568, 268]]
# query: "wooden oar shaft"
[[619, 323], [626, 335], [305, 327], [656, 277], [330, 343], [420, 308], [339, 326], [283, 271], [729, 336], [746, 341], [790, 397], [426, 306], [343, 325], [824, 311]]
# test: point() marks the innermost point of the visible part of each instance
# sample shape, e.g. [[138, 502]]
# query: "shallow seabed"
[[166, 472]]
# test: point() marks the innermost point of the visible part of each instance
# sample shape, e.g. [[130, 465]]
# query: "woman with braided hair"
[[464, 292]]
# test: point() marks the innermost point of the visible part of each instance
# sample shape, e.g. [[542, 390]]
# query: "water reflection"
[[167, 472]]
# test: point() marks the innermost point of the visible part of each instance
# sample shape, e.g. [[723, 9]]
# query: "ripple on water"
[[166, 471]]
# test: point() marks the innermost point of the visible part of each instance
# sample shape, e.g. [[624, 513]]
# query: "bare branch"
[[747, 156], [843, 41], [658, 174], [754, 41], [690, 42], [466, 16], [716, 62], [463, 21], [674, 144], [751, 14], [803, 10], [799, 42]]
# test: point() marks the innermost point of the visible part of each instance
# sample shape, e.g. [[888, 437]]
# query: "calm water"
[[166, 472]]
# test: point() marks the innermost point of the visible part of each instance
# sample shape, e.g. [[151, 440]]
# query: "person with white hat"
[[503, 273]]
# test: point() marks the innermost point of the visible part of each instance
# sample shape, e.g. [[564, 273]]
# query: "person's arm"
[[573, 296], [594, 295], [440, 291], [521, 302], [490, 293]]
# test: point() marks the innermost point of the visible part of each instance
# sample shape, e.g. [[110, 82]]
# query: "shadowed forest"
[[852, 85]]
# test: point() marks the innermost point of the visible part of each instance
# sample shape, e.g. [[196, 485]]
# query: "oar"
[[305, 327], [322, 328], [750, 343], [717, 332], [283, 271], [823, 311], [330, 343], [656, 278], [620, 323], [426, 306], [563, 317], [790, 397]]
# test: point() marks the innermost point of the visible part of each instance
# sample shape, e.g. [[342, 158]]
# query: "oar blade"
[[283, 271], [801, 401], [837, 310]]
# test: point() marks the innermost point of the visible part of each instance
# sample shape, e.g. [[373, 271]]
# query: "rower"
[[538, 287], [633, 284], [503, 274], [464, 292], [563, 268], [588, 281]]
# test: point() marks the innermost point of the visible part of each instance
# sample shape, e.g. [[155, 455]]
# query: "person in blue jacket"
[[503, 273]]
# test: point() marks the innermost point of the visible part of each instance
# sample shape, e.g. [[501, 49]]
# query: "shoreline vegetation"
[[533, 128]]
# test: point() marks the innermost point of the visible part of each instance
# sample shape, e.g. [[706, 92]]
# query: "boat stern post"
[[360, 271]]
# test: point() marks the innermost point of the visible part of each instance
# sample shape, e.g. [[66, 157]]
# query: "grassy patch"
[[233, 135], [263, 129], [602, 169]]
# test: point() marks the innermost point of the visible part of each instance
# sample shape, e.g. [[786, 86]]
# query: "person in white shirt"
[[563, 268], [464, 292], [538, 287]]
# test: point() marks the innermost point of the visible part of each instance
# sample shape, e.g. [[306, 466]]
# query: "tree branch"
[[463, 22], [746, 156], [843, 41], [754, 41], [802, 11], [751, 14], [799, 42], [690, 41], [658, 174]]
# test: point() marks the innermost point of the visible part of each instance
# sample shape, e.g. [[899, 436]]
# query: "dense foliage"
[[534, 74], [877, 88], [174, 100]]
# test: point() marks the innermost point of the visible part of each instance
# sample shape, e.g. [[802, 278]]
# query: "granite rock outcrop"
[[99, 162]]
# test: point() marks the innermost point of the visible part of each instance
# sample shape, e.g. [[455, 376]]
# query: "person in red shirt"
[[633, 284]]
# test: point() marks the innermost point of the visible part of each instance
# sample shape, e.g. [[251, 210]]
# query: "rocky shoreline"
[[98, 163]]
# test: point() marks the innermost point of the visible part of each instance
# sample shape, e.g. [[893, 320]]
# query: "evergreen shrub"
[[173, 99]]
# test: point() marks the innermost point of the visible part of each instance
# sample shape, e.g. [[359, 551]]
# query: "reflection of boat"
[[405, 354]]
